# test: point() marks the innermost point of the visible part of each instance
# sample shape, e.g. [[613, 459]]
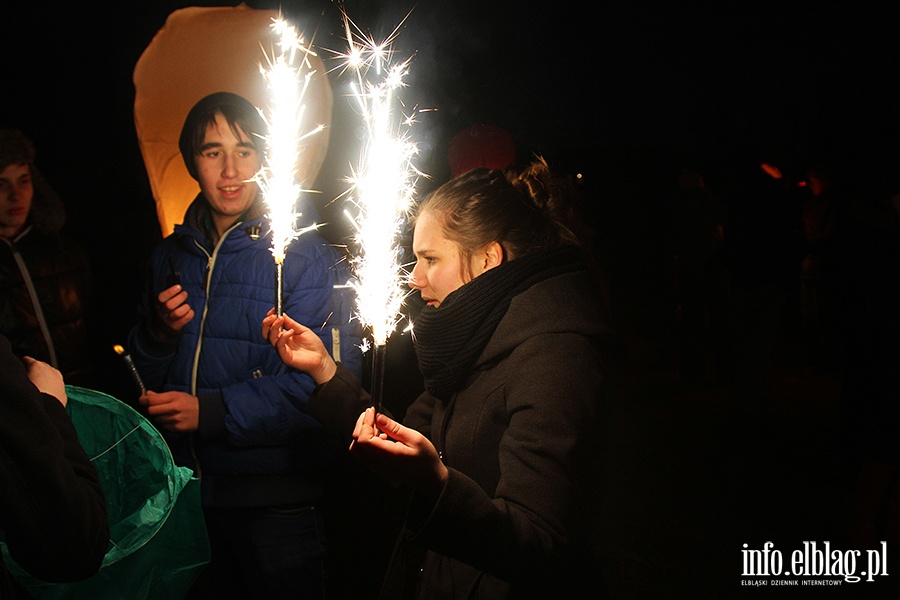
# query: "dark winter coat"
[[45, 280], [52, 508], [513, 518]]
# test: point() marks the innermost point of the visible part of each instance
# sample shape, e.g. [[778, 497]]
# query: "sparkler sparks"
[[288, 77], [383, 184]]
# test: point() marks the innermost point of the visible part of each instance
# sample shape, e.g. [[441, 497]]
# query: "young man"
[[45, 276], [227, 404]]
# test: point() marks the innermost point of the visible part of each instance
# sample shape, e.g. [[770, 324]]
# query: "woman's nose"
[[412, 281]]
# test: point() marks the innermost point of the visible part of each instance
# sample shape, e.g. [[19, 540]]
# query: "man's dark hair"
[[15, 148], [238, 112]]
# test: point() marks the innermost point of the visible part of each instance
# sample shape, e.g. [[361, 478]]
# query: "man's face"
[[226, 167], [16, 193]]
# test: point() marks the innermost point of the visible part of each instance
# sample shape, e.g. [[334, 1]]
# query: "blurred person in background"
[[45, 276]]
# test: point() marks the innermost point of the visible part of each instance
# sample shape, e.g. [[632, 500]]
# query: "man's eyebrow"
[[242, 144]]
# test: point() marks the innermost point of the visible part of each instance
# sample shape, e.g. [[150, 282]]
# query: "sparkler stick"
[[382, 191], [288, 77], [134, 372]]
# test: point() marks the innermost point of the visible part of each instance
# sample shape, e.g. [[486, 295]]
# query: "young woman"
[[499, 449]]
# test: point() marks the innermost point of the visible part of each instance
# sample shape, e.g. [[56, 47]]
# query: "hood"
[[567, 303], [48, 214]]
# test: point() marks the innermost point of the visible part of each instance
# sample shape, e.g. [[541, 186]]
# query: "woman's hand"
[[398, 453], [298, 346]]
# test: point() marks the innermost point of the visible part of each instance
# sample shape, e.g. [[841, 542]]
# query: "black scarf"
[[450, 338]]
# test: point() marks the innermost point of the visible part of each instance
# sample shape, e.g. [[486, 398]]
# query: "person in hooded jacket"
[[229, 408], [45, 275], [500, 449]]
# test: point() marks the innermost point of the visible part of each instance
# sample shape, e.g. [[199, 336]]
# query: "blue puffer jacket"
[[256, 446]]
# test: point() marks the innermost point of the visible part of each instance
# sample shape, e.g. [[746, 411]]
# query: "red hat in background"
[[481, 145]]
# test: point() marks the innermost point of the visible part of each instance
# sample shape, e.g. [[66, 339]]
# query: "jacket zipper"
[[207, 279], [445, 424], [32, 293]]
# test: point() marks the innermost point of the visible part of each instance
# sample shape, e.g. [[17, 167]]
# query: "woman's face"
[[440, 267], [439, 264]]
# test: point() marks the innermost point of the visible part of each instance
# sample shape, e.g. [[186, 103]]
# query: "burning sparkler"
[[382, 190], [288, 77]]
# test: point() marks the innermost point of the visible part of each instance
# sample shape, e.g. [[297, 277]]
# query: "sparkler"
[[288, 77], [381, 189], [134, 372]]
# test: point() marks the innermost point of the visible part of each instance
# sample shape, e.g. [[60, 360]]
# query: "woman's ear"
[[491, 256]]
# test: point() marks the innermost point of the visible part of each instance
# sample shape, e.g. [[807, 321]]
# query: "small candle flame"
[[130, 363]]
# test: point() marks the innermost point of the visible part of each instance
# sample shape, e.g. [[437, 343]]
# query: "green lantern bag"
[[158, 539]]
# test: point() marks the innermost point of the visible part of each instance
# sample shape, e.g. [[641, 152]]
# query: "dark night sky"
[[686, 82], [623, 97]]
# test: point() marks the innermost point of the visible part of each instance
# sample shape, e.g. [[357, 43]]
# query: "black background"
[[635, 83], [624, 95]]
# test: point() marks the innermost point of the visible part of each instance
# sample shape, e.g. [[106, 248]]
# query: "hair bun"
[[540, 185]]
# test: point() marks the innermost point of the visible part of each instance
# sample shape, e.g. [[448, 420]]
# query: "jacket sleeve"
[[52, 506], [518, 530], [338, 403]]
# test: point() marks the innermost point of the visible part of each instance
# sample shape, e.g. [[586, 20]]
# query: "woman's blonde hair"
[[523, 210]]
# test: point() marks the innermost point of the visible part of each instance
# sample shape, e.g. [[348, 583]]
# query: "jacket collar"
[[197, 218]]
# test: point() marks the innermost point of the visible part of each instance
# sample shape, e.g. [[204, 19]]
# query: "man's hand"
[[172, 411], [172, 311]]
